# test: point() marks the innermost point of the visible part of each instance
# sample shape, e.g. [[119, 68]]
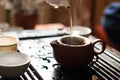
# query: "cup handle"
[[101, 50], [102, 45]]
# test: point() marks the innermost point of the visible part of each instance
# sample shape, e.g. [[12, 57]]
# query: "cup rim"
[[12, 37], [87, 41], [12, 54]]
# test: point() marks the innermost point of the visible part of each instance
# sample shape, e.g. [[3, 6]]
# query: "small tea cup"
[[13, 64], [8, 43], [78, 30]]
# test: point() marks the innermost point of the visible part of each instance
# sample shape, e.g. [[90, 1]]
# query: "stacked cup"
[[12, 63]]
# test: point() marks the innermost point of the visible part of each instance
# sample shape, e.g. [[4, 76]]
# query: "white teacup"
[[8, 43], [13, 64], [79, 30]]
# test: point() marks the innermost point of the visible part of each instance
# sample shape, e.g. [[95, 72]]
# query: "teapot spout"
[[54, 44]]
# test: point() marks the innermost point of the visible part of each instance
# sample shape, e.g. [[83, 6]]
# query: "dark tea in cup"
[[72, 40]]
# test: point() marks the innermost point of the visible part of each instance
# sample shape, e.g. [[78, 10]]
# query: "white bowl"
[[13, 64], [78, 30]]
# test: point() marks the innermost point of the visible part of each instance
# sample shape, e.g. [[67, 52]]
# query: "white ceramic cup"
[[79, 30], [8, 43], [13, 64]]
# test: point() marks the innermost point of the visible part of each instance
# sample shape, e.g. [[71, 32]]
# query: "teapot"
[[76, 54]]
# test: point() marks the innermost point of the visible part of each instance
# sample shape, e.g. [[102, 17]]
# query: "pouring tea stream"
[[68, 4]]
